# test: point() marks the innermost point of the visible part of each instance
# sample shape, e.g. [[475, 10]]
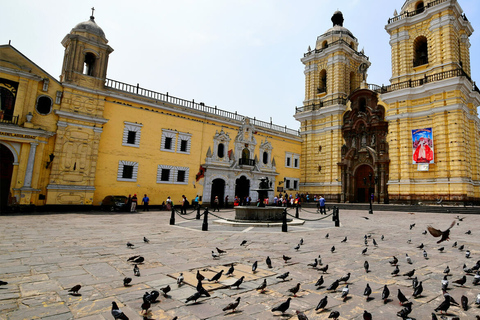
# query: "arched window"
[[7, 102], [325, 44], [89, 64], [221, 150], [420, 46], [362, 105], [322, 88], [245, 153], [265, 157], [420, 7]]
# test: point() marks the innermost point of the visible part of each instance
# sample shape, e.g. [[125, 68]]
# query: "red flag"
[[201, 173]]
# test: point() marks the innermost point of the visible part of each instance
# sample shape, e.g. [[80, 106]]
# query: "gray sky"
[[240, 55]]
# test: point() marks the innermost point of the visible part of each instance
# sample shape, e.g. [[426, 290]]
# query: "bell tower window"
[[362, 105], [89, 64], [323, 82], [421, 51], [420, 7]]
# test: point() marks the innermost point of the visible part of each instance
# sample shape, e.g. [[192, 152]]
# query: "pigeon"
[[244, 242], [401, 297], [395, 271], [220, 251], [117, 313], [441, 249], [323, 269], [454, 244], [345, 292], [412, 225], [145, 306], [476, 279], [230, 271], [382, 237], [368, 291], [202, 290], [268, 261], [467, 254], [262, 286], [344, 278], [130, 245], [297, 247], [166, 290], [313, 264], [424, 232], [180, 279], [74, 289], [333, 286], [283, 306], [366, 266], [332, 249], [409, 260], [444, 283], [254, 267], [364, 251], [366, 242], [238, 282], [215, 255], [285, 258], [418, 290], [153, 296], [467, 270], [295, 289], [407, 309], [319, 282], [409, 274], [132, 258], [344, 240], [194, 297], [320, 261], [136, 271], [233, 305], [283, 276], [367, 315], [468, 232], [200, 277], [126, 281], [146, 240], [425, 255], [421, 246], [385, 293], [334, 315], [461, 281], [301, 315], [374, 242], [477, 301], [452, 301], [326, 236], [464, 301], [409, 241], [414, 282], [443, 307], [301, 241], [434, 316], [322, 303], [394, 261], [438, 233], [446, 270], [461, 247], [139, 260]]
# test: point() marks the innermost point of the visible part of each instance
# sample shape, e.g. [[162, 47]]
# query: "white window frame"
[[186, 169], [291, 182], [292, 157], [170, 176], [169, 134], [187, 137], [135, 127], [121, 165]]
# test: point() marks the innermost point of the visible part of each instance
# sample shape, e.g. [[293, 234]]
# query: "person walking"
[[185, 204], [169, 203], [145, 202], [321, 201], [216, 204], [226, 202], [129, 203], [133, 208]]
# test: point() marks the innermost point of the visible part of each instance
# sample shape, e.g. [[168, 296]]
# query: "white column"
[[31, 161]]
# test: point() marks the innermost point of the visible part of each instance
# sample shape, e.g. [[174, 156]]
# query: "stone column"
[[27, 183]]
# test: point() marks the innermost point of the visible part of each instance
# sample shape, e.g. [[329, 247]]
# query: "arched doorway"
[[6, 169], [242, 187], [364, 183], [218, 190]]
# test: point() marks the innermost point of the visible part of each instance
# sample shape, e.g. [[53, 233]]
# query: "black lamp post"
[[369, 185]]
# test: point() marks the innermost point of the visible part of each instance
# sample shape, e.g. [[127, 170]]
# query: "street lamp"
[[369, 185]]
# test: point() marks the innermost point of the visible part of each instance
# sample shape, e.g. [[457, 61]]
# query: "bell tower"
[[431, 92], [333, 70]]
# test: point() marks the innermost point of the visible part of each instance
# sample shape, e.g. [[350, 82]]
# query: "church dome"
[[91, 27]]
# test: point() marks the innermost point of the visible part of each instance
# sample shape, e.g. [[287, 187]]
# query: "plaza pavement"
[[44, 255]]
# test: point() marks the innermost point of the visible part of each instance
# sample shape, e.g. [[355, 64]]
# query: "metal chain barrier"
[[329, 215], [183, 215]]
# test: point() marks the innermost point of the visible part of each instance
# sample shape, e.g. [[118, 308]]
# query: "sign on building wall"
[[422, 143]]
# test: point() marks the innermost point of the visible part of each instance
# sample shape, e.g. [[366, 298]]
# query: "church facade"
[[75, 140]]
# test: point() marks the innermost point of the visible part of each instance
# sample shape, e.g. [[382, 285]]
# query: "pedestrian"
[[215, 204], [133, 208], [169, 204], [128, 203], [321, 200], [226, 201], [185, 204], [145, 202], [196, 201]]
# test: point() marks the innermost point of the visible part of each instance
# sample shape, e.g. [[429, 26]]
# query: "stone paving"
[[44, 255]]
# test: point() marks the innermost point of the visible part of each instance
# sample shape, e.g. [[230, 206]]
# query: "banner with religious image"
[[422, 143]]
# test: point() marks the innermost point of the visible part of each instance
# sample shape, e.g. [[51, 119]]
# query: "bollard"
[[296, 212], [371, 208], [334, 212], [284, 223], [205, 220], [172, 217], [198, 213], [337, 218]]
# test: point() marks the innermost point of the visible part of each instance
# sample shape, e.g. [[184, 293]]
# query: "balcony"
[[246, 162], [8, 119]]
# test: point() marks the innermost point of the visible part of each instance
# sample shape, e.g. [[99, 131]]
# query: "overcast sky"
[[238, 55]]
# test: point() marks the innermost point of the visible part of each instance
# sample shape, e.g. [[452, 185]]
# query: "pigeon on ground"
[[409, 274], [401, 297], [367, 292], [396, 271], [425, 255], [414, 282], [367, 315], [344, 240], [394, 261], [233, 305], [421, 246], [283, 276], [452, 301], [409, 260], [443, 307], [283, 306], [366, 266], [412, 225], [202, 290], [418, 290], [220, 251], [333, 286], [301, 315], [476, 279], [244, 242], [334, 315], [467, 270], [295, 289], [345, 292], [285, 258], [145, 240], [454, 245], [313, 264], [230, 271], [444, 283], [132, 258], [126, 281], [130, 245], [136, 271], [301, 241], [385, 293], [323, 269], [74, 289], [238, 282], [438, 233], [262, 286], [468, 232], [461, 247], [326, 236], [374, 242], [180, 279], [152, 296], [424, 232], [200, 277], [446, 270], [464, 302], [254, 267], [345, 278], [320, 261], [477, 301], [322, 303], [441, 249], [364, 251], [407, 309], [319, 282], [117, 313], [297, 247], [139, 260], [194, 297], [332, 249], [461, 281], [145, 306], [366, 242], [467, 254], [215, 255], [382, 237], [268, 261], [166, 290]]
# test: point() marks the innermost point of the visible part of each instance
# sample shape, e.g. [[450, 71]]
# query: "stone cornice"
[[22, 74], [321, 113], [16, 130], [80, 117]]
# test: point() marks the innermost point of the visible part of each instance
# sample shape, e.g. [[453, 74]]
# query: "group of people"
[[131, 203]]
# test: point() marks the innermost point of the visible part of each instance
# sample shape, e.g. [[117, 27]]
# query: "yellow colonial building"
[[76, 140]]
